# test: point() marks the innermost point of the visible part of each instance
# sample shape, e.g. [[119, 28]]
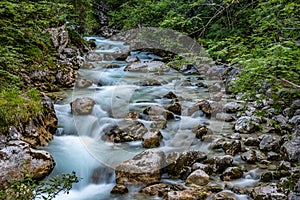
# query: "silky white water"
[[78, 145]]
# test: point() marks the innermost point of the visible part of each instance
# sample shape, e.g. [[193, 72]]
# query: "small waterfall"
[[78, 145]]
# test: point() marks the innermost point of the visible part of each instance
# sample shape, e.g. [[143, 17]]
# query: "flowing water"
[[78, 146]]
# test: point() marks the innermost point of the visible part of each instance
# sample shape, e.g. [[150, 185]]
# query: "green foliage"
[[17, 107], [259, 37], [26, 188]]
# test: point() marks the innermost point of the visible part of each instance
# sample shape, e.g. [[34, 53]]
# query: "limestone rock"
[[82, 106], [232, 107], [152, 139], [152, 66], [291, 150], [177, 163], [269, 143], [224, 117], [268, 192], [249, 156], [245, 124], [119, 189], [17, 156], [231, 173], [131, 131], [144, 168], [198, 177], [220, 163], [224, 195], [232, 148]]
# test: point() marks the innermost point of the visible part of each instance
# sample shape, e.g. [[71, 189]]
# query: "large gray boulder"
[[198, 177], [143, 169], [82, 106], [17, 157], [291, 149]]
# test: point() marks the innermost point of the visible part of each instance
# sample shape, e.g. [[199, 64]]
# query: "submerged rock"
[[144, 168], [82, 106], [192, 193], [224, 195], [17, 157]]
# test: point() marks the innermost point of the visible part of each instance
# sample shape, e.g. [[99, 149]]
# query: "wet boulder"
[[232, 147], [249, 156], [198, 177], [232, 107], [269, 143], [251, 141], [152, 139], [201, 130], [83, 83], [178, 164], [204, 167], [153, 66], [175, 108], [159, 189], [231, 173], [149, 82], [246, 124], [224, 117], [207, 107], [82, 106], [170, 95], [220, 163], [216, 87], [119, 189], [131, 131], [144, 168], [291, 150], [268, 192], [224, 195], [192, 193], [16, 157]]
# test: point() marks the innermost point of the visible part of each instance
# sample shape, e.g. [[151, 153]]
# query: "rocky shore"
[[20, 148]]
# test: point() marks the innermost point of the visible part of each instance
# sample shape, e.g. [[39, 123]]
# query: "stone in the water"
[[224, 195], [245, 124], [251, 141], [152, 139], [232, 107], [268, 192], [17, 157], [201, 130], [249, 156], [178, 163], [269, 143], [175, 108], [142, 169], [220, 163], [170, 95], [232, 148], [192, 193], [198, 177], [82, 106], [224, 117], [119, 189], [83, 83], [231, 173], [291, 150]]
